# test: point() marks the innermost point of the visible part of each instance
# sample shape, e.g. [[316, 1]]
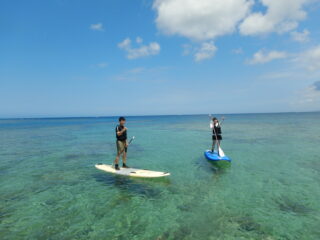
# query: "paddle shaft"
[[131, 140], [128, 144]]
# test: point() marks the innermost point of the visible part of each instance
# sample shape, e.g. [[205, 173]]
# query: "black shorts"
[[219, 137]]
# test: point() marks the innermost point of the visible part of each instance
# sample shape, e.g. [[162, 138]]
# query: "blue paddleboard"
[[213, 156]]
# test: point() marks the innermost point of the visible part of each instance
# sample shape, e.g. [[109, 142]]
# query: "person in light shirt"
[[215, 125]]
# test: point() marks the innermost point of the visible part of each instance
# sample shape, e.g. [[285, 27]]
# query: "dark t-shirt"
[[123, 136]]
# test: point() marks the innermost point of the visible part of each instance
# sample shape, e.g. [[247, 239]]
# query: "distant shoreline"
[[160, 115]]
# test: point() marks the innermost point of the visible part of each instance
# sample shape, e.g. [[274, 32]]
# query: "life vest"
[[216, 129]]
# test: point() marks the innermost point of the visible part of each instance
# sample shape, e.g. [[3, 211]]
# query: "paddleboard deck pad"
[[214, 156], [132, 172]]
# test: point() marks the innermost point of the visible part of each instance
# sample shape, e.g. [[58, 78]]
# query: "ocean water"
[[50, 189]]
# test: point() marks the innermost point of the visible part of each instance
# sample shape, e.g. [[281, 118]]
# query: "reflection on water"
[[127, 184]]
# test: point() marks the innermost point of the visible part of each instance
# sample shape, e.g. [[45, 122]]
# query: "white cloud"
[[300, 36], [97, 27], [263, 57], [137, 70], [237, 51], [125, 44], [281, 16], [200, 20], [316, 86], [310, 59], [282, 75], [187, 49], [311, 95], [142, 74], [102, 65], [206, 51], [139, 40], [142, 51], [309, 98]]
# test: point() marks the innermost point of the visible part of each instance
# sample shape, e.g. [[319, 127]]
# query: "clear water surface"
[[50, 189]]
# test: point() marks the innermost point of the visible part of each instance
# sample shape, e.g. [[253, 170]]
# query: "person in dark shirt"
[[122, 144], [215, 125]]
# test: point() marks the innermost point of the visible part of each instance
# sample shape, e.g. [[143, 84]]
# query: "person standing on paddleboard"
[[215, 125], [122, 144]]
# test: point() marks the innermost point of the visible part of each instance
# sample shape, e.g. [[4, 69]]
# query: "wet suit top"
[[123, 136]]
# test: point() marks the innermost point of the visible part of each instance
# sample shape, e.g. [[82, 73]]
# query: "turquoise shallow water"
[[50, 189]]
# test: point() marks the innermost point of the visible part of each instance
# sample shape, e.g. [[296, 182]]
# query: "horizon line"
[[150, 115]]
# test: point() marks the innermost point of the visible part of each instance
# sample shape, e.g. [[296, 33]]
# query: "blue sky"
[[138, 57]]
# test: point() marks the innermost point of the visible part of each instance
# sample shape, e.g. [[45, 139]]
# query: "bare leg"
[[124, 157], [213, 144], [116, 161], [218, 146]]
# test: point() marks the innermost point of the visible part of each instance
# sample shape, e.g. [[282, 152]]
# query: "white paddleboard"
[[132, 172]]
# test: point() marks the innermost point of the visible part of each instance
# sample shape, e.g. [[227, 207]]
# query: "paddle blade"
[[131, 140], [220, 152]]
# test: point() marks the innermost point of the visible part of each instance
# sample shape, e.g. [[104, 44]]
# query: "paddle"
[[220, 151], [129, 144], [131, 140]]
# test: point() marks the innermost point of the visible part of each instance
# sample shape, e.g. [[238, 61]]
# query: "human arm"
[[222, 119], [119, 133]]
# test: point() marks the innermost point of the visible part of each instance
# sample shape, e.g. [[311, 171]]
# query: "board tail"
[[220, 152]]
